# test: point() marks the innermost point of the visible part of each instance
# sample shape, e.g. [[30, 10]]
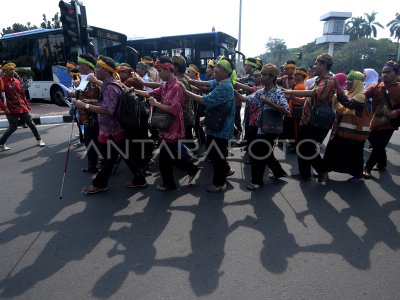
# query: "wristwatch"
[[87, 105]]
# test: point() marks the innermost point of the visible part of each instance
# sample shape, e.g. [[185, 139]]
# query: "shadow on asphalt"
[[80, 233]]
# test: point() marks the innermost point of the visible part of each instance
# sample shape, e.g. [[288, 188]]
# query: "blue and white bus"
[[198, 48], [43, 52]]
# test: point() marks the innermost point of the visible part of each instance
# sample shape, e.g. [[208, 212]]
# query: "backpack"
[[128, 112]]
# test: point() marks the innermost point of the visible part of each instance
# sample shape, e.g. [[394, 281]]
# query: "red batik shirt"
[[15, 96]]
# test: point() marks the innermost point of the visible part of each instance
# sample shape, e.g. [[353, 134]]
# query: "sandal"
[[216, 188], [367, 174], [90, 170], [377, 168], [93, 190], [163, 188], [253, 187], [132, 184], [273, 177]]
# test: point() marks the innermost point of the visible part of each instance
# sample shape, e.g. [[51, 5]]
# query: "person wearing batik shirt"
[[15, 106], [110, 130], [291, 123], [217, 141], [251, 112], [287, 80], [382, 127], [261, 149], [250, 65], [88, 92], [170, 98], [320, 94]]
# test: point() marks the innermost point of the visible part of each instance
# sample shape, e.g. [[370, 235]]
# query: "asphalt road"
[[290, 240]]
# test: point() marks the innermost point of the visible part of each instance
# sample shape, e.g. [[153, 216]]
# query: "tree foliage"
[[363, 50], [18, 27], [360, 27]]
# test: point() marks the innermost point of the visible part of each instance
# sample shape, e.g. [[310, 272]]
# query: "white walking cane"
[[68, 150]]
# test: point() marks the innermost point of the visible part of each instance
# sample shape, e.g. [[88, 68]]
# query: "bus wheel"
[[57, 96]]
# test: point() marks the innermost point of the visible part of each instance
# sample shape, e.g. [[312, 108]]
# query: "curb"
[[42, 120]]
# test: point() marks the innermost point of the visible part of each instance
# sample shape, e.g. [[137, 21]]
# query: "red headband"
[[165, 66]]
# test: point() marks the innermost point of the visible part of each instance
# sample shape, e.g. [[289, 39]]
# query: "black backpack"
[[129, 112]]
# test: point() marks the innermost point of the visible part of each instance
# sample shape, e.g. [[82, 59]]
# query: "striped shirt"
[[324, 89]]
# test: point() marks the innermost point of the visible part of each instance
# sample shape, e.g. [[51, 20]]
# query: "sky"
[[296, 22]]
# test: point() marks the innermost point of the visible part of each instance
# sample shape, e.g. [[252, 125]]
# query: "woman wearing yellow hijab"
[[344, 152]]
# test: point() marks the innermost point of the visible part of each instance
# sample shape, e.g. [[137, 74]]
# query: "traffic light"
[[300, 55], [70, 23]]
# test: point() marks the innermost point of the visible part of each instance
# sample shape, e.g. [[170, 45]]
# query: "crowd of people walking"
[[180, 113]]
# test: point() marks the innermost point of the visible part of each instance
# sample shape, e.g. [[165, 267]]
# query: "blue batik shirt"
[[222, 93]]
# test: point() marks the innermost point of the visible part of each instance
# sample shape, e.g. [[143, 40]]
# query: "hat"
[[270, 69], [179, 60], [326, 58], [8, 66]]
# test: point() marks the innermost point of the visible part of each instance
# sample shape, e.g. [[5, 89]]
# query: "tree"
[[55, 22], [17, 27], [356, 28], [370, 24], [278, 50], [394, 28]]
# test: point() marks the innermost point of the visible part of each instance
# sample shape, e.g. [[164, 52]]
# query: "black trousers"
[[262, 152], [379, 140], [110, 156], [90, 137], [13, 125], [218, 151], [238, 119], [169, 157], [308, 155]]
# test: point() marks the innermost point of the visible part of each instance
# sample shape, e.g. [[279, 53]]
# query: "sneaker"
[[230, 172], [40, 143], [216, 188], [3, 148]]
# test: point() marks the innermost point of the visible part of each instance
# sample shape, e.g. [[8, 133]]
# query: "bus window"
[[56, 42], [42, 60]]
